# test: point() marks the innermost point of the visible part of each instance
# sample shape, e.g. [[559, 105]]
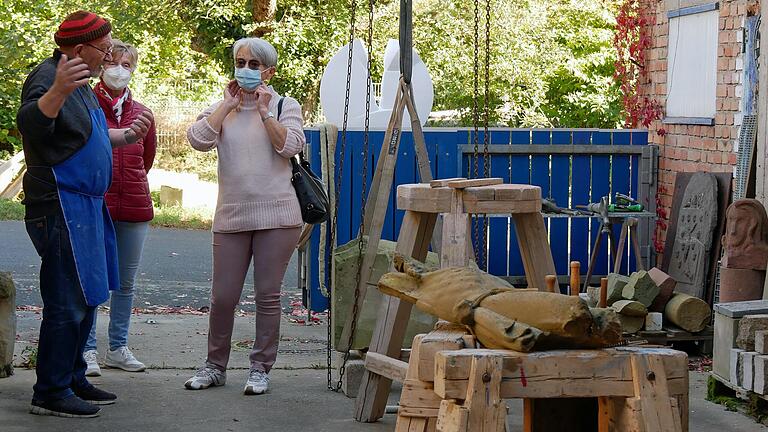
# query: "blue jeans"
[[67, 319], [130, 243]]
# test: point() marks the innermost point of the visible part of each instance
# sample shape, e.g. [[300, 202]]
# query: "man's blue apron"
[[82, 180]]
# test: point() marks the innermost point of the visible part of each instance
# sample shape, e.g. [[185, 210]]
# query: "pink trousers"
[[270, 251]]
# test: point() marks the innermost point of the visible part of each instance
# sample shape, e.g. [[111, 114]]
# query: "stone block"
[[761, 366], [7, 323], [631, 324], [726, 331], [737, 285], [742, 309], [641, 288], [630, 307], [170, 196], [666, 286], [616, 283], [654, 321], [344, 273], [736, 359], [747, 328], [747, 369], [353, 377], [761, 341]]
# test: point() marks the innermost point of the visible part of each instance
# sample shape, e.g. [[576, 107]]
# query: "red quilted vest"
[[128, 197]]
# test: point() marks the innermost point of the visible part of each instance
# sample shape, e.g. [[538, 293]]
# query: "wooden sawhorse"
[[456, 200]]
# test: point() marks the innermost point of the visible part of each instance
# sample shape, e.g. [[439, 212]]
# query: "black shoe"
[[95, 396], [72, 407]]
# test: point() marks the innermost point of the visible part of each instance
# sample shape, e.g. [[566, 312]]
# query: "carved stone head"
[[746, 235]]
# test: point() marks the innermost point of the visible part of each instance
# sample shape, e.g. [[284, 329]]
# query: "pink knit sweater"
[[255, 190]]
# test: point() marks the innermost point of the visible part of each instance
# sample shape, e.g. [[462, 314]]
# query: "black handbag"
[[309, 188], [310, 191]]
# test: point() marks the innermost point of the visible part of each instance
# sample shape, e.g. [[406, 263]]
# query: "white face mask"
[[116, 77]]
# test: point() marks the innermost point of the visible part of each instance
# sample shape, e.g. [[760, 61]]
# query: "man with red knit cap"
[[68, 151]]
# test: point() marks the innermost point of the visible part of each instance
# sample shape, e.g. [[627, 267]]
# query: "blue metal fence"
[[582, 166]]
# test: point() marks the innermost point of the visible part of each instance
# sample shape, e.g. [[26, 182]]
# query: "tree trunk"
[[263, 12]]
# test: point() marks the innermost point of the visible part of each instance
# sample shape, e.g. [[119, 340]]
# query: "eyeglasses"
[[107, 52]]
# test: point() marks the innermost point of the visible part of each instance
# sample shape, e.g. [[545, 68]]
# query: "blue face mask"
[[248, 79]]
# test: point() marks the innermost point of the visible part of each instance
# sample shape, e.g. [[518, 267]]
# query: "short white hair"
[[264, 52]]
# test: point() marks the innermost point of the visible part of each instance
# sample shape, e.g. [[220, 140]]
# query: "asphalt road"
[[175, 270]]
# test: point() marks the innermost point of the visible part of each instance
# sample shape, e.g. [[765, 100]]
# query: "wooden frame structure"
[[456, 200]]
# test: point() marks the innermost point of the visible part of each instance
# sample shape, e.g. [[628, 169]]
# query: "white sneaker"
[[205, 377], [122, 358], [91, 358], [257, 383]]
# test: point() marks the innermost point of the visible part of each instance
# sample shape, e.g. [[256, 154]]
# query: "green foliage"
[[29, 357], [11, 210], [551, 62], [182, 218]]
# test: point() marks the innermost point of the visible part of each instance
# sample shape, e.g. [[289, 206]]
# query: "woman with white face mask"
[[255, 132], [129, 203]]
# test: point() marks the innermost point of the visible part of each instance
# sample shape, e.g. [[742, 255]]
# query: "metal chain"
[[486, 136], [361, 230], [334, 222], [475, 120]]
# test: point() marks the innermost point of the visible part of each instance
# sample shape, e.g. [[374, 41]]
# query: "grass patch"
[[165, 216], [182, 218], [11, 210]]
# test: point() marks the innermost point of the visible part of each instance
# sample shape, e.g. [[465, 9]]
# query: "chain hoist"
[[337, 182]]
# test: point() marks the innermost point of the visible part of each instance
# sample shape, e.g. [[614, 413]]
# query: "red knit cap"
[[81, 27]]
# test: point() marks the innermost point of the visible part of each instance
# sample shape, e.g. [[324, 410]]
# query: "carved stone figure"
[[498, 314], [746, 236]]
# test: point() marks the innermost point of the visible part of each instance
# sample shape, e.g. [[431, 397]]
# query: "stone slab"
[[726, 331], [747, 369], [741, 309], [760, 385], [761, 341], [697, 220], [7, 323], [737, 358], [747, 328]]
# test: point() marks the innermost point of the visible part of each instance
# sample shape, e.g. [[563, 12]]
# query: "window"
[[692, 64]]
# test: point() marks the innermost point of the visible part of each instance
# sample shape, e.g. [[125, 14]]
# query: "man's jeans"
[[67, 319], [130, 243]]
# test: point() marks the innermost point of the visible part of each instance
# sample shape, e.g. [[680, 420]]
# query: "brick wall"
[[690, 148]]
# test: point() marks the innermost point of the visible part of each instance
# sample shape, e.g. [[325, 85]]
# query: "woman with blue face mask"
[[255, 132]]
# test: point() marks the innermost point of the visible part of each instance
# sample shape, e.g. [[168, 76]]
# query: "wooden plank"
[[483, 400], [417, 412], [534, 248], [561, 373], [419, 394], [560, 192], [405, 173], [650, 383], [600, 178], [393, 319], [456, 231], [520, 174], [446, 337], [580, 149], [498, 227], [386, 366], [461, 184], [439, 183], [635, 192], [452, 417], [620, 177], [580, 246], [502, 207]]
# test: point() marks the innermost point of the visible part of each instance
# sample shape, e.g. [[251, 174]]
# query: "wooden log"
[[687, 312], [388, 367]]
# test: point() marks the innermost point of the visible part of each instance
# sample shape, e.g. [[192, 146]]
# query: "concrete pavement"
[[173, 345]]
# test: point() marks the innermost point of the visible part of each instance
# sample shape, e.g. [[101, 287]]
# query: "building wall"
[[691, 148]]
